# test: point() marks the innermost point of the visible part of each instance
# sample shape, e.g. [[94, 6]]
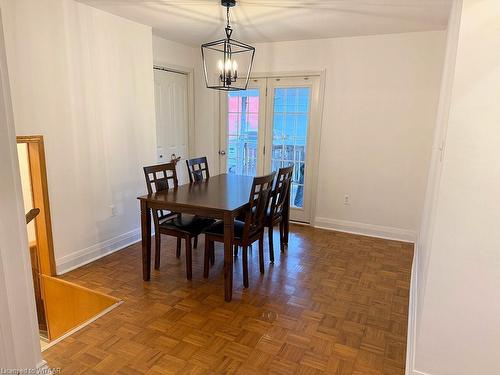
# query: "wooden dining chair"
[[161, 178], [245, 232], [275, 214], [198, 169]]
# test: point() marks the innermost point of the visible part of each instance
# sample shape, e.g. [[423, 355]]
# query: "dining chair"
[[161, 178], [198, 169], [275, 214], [245, 232]]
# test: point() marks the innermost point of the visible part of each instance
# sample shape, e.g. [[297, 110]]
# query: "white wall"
[[172, 54], [19, 342], [381, 96], [83, 79], [380, 104], [459, 330]]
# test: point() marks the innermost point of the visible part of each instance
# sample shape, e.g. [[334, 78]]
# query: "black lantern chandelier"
[[225, 60]]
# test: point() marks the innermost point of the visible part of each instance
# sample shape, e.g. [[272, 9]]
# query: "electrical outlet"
[[347, 200], [114, 210]]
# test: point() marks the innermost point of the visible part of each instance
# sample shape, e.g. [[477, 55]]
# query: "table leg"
[[146, 240], [228, 256]]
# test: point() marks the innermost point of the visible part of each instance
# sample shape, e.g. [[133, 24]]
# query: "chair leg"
[[282, 236], [157, 250], [195, 242], [236, 251], [208, 255], [178, 251], [189, 259], [271, 245], [212, 253], [245, 266], [261, 253]]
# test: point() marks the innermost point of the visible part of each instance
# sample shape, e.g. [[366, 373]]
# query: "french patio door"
[[271, 125]]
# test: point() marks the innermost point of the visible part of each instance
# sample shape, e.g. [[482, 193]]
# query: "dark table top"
[[225, 192]]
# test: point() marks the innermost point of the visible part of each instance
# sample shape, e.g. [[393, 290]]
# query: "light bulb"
[[228, 65], [235, 66], [220, 65]]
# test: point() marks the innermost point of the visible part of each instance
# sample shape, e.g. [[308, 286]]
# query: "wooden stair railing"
[[32, 214]]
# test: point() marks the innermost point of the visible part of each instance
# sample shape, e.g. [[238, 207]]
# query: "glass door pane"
[[289, 143], [243, 132]]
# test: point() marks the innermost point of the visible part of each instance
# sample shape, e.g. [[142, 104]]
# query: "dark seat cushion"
[[217, 229], [188, 224]]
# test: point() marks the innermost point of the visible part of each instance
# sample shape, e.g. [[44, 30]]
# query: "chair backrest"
[[258, 203], [161, 177], [198, 169], [281, 189]]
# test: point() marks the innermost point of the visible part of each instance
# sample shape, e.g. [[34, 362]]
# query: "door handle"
[[222, 152]]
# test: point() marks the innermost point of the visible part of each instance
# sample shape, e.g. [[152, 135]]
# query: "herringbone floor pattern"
[[334, 303]]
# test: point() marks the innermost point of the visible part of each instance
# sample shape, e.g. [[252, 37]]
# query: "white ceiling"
[[196, 21]]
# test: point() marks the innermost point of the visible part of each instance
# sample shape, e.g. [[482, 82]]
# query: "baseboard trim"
[[389, 233], [97, 251], [300, 223], [416, 372]]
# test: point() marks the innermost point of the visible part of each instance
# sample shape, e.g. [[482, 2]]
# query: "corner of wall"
[[422, 246]]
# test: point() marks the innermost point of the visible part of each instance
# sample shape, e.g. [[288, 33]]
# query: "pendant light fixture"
[[227, 63]]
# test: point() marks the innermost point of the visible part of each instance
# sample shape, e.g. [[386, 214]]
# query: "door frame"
[[40, 194], [315, 133], [189, 72]]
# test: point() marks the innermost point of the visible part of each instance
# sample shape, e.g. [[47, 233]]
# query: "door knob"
[[222, 152]]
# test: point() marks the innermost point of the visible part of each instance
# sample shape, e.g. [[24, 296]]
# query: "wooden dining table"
[[221, 197]]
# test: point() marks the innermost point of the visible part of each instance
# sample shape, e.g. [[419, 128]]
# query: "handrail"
[[32, 214]]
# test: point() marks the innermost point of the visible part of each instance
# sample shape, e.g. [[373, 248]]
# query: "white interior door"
[[172, 119], [292, 120], [242, 130]]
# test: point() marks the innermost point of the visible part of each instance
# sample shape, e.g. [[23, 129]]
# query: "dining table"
[[223, 197]]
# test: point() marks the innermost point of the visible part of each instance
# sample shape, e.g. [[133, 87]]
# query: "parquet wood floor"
[[334, 303]]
